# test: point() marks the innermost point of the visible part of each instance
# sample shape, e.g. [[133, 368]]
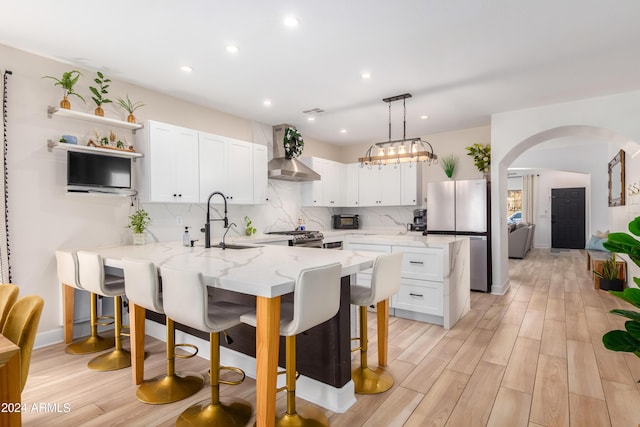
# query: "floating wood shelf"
[[62, 112], [94, 150]]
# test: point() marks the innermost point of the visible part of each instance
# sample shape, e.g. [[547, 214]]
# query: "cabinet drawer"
[[420, 296], [422, 263]]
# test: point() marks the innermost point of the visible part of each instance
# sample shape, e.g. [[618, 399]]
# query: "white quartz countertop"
[[267, 271]]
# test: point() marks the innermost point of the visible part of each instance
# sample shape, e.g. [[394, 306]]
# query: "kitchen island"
[[435, 283], [265, 272]]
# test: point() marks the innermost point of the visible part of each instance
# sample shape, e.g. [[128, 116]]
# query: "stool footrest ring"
[[234, 369], [186, 356]]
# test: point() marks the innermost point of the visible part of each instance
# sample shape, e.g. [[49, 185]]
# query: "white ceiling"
[[462, 60]]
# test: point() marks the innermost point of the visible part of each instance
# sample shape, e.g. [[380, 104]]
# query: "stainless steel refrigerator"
[[462, 208]]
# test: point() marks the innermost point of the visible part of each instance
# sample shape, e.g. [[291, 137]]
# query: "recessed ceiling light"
[[366, 75], [186, 68], [291, 21], [424, 117], [267, 103], [232, 48], [311, 119], [343, 131]]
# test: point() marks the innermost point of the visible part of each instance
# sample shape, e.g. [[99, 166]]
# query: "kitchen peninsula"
[[266, 272]]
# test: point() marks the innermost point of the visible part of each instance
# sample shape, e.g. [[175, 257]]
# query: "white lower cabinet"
[[420, 296]]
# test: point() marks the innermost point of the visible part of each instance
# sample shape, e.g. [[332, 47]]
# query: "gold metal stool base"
[[112, 361], [304, 417], [90, 344], [169, 388], [369, 381], [233, 413]]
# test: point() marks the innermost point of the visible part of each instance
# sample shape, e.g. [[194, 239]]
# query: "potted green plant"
[[481, 156], [138, 222], [67, 82], [127, 105], [628, 340], [249, 228], [448, 164], [100, 92], [609, 280]]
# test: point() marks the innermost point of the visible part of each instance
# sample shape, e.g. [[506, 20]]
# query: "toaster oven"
[[345, 221]]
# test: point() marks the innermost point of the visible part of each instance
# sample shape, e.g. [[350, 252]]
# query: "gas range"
[[306, 238]]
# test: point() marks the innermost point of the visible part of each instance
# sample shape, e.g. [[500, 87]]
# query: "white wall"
[[610, 118]]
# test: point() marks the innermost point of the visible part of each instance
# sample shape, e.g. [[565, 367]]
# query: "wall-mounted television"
[[88, 172]]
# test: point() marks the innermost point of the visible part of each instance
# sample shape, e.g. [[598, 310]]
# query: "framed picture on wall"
[[616, 180]]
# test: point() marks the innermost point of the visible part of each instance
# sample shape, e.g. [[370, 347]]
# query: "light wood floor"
[[533, 357]]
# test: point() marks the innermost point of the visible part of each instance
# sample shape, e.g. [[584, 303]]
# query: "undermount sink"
[[232, 246]]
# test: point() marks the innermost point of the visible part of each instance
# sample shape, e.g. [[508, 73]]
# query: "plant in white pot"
[[138, 222]]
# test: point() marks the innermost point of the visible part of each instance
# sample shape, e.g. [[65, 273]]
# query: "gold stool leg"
[[306, 417], [171, 387], [368, 381], [233, 413], [118, 358], [93, 343]]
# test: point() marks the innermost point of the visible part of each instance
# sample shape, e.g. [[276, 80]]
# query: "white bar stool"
[[93, 279], [186, 301], [142, 287], [316, 299], [385, 282], [67, 264]]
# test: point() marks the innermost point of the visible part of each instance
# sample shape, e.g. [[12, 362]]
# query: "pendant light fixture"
[[399, 150]]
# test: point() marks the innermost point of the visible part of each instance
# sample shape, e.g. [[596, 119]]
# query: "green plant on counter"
[[127, 105], [99, 92], [481, 156], [448, 164], [138, 221], [67, 82], [249, 228], [629, 339]]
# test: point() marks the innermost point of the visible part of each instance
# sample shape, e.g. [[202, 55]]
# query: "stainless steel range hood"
[[287, 169]]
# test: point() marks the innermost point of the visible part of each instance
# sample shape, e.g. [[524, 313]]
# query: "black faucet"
[[207, 225]]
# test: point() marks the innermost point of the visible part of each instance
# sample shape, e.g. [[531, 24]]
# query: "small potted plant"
[[448, 164], [249, 228], [67, 82], [100, 92], [609, 279], [481, 157], [127, 105], [138, 222]]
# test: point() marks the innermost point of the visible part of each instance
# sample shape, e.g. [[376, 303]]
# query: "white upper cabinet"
[[327, 191], [170, 173], [379, 186], [349, 186], [226, 165], [409, 176], [260, 185]]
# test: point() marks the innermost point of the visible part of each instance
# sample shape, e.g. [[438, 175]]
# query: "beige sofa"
[[520, 239]]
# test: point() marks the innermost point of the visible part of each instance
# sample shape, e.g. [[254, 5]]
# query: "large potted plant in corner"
[[138, 222], [629, 339], [67, 82]]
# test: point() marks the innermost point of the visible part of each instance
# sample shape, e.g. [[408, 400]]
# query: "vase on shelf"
[[65, 103], [131, 118], [99, 111]]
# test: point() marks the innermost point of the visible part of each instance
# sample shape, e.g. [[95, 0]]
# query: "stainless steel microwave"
[[346, 221]]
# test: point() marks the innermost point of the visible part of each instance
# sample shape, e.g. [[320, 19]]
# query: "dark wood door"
[[567, 218]]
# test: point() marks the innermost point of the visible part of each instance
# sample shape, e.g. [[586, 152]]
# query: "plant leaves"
[[634, 226], [620, 341], [94, 91], [633, 315], [630, 295], [633, 328], [100, 75]]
